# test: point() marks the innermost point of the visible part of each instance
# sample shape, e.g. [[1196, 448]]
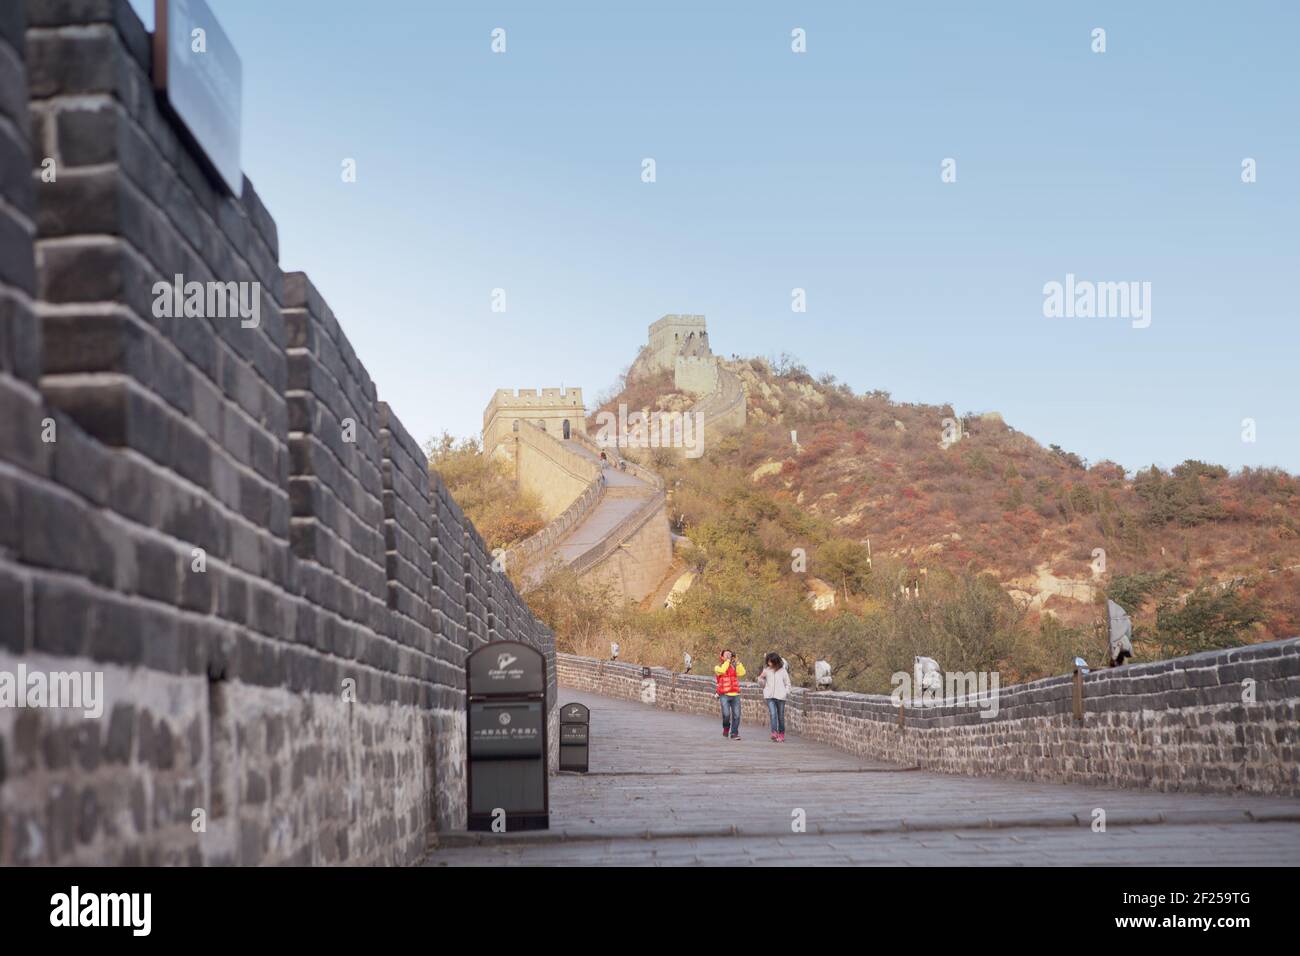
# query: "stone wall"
[[696, 374], [20, 338], [545, 467], [632, 560], [724, 409], [632, 556], [529, 555], [1224, 721], [222, 519]]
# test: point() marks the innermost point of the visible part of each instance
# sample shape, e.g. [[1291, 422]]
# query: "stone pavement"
[[624, 494], [666, 788]]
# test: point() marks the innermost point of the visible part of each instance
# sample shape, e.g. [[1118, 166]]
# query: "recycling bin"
[[506, 772], [575, 737]]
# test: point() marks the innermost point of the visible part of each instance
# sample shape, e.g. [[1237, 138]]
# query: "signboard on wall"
[[201, 80]]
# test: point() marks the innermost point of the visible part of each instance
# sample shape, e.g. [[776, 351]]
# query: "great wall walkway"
[[610, 525], [666, 788], [329, 557], [624, 495]]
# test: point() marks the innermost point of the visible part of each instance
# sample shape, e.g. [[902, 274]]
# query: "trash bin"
[[506, 730], [575, 727]]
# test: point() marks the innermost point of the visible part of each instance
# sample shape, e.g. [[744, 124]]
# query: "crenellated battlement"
[[533, 398], [677, 321], [558, 410]]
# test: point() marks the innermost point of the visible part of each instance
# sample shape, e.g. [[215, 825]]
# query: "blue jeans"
[[776, 713], [730, 714]]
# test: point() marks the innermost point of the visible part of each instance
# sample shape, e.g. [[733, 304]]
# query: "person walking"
[[775, 680], [728, 673]]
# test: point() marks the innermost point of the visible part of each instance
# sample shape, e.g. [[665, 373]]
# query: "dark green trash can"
[[575, 737], [506, 729]]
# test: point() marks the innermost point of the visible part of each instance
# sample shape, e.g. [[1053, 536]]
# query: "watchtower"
[[559, 410], [675, 335]]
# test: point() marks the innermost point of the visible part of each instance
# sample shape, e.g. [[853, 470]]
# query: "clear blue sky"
[[821, 170]]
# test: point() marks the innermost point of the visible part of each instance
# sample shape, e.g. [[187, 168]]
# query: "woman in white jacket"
[[775, 680]]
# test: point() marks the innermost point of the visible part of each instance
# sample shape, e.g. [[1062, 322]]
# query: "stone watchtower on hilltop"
[[559, 410], [673, 336], [680, 344]]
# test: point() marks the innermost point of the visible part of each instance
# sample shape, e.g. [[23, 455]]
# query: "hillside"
[[994, 505], [997, 501], [869, 541]]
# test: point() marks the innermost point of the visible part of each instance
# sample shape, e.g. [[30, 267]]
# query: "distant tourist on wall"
[[729, 672], [775, 681]]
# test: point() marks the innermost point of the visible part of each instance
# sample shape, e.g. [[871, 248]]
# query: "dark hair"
[[774, 659]]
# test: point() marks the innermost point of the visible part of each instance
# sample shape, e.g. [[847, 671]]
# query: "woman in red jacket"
[[728, 673]]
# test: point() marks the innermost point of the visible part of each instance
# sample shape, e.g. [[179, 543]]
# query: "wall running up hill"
[[628, 555], [550, 470], [227, 523], [1223, 722], [722, 410]]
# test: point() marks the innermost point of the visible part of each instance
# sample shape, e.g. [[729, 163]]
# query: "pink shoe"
[[780, 738]]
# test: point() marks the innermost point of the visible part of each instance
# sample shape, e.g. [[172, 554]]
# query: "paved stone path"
[[624, 494], [702, 799]]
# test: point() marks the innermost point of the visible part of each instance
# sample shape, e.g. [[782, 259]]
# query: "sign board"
[[575, 713], [574, 733], [501, 729], [200, 78], [506, 667]]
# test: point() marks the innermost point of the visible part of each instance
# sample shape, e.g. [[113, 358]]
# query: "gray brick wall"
[[1224, 721], [230, 524], [20, 341], [20, 334]]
